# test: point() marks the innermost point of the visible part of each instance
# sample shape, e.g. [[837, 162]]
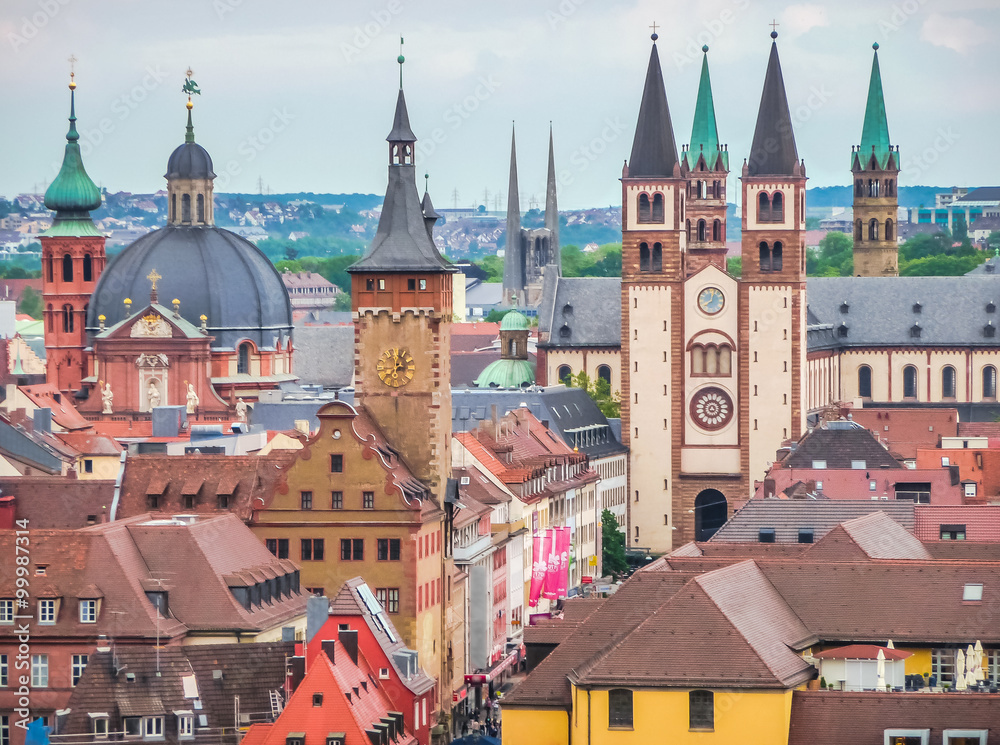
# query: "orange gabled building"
[[338, 702]]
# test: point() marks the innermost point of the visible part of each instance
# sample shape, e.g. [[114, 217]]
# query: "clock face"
[[395, 367], [711, 408], [711, 300]]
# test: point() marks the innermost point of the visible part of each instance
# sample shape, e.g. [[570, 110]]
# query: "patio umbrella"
[[880, 671], [979, 660], [960, 671]]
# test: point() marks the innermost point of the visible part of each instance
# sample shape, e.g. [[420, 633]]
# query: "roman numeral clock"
[[395, 367]]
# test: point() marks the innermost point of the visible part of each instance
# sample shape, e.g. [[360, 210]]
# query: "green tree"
[[833, 258], [600, 391], [31, 303], [343, 301], [612, 546], [734, 265], [288, 265], [495, 316]]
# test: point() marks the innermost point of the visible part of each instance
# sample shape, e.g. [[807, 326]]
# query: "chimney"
[[328, 646], [298, 671], [349, 638], [42, 420]]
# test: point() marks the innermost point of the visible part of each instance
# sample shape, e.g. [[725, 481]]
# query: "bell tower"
[[72, 261], [773, 285], [875, 171]]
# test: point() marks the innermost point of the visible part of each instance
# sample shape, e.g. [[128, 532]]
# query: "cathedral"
[[188, 315]]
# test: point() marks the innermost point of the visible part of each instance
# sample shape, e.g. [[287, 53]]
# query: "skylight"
[[973, 592]]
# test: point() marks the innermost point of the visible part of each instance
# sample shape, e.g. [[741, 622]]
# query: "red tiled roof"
[[982, 522], [58, 501], [906, 430], [862, 652], [874, 536], [64, 414], [90, 443]]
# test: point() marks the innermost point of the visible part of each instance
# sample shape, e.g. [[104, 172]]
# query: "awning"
[[494, 671]]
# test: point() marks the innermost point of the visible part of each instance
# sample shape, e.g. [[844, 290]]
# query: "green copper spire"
[[704, 132], [73, 196], [875, 132]]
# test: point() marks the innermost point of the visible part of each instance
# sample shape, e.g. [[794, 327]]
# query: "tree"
[[599, 390], [31, 303], [833, 258], [612, 545], [734, 265], [495, 316], [343, 301]]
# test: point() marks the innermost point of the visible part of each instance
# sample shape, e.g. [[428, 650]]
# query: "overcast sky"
[[300, 94]]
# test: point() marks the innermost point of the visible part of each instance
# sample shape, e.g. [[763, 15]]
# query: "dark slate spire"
[[73, 195], [513, 264], [427, 207], [402, 241], [773, 151], [654, 152], [704, 131], [552, 208], [875, 132]]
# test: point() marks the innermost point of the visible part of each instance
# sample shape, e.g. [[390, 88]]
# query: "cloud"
[[960, 34], [799, 19]]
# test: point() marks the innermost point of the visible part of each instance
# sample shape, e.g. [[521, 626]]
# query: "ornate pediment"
[[152, 360], [151, 325]]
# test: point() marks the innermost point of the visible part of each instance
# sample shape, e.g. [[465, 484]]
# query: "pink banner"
[[539, 564], [551, 590], [562, 547]]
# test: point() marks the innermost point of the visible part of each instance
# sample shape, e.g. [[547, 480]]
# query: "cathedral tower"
[[72, 261], [708, 168], [875, 171], [773, 287]]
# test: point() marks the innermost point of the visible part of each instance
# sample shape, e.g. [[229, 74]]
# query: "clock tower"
[[402, 305]]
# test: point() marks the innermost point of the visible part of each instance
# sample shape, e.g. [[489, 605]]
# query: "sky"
[[299, 95]]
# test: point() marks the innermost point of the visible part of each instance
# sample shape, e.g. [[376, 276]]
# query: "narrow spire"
[[401, 131], [190, 87], [773, 150], [654, 151], [400, 59], [427, 207], [513, 264], [875, 132], [552, 208], [704, 131], [73, 195]]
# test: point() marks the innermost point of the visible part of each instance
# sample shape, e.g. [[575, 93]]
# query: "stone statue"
[[192, 399], [107, 398], [153, 395], [241, 410]]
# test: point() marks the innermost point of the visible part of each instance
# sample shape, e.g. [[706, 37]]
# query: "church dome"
[[514, 321], [507, 373], [190, 160], [212, 272]]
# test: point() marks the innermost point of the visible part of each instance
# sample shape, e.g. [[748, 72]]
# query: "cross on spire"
[[72, 65], [774, 25], [654, 36]]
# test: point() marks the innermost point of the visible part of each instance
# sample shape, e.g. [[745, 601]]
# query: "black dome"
[[190, 160], [212, 272]]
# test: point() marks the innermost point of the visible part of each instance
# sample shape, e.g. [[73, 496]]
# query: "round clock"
[[711, 300], [395, 367], [711, 408]]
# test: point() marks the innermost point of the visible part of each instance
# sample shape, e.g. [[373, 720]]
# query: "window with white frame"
[[47, 610], [964, 736], [152, 728], [907, 736], [185, 724], [99, 725], [4, 730], [6, 611], [88, 611], [4, 670], [133, 726], [77, 667], [943, 665], [39, 671]]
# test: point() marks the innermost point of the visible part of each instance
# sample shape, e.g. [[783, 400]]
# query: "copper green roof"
[[704, 132], [73, 195], [514, 321], [875, 132], [507, 374]]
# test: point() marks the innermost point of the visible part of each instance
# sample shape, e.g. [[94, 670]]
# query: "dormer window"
[[295, 738], [915, 331], [991, 307], [47, 610], [917, 307], [317, 699], [845, 307], [159, 600]]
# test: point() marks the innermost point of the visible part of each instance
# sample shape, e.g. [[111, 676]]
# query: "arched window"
[[657, 258], [88, 268], [186, 208], [865, 381], [873, 187], [711, 360], [725, 360], [890, 187], [717, 230], [697, 360], [619, 707], [243, 363], [873, 229], [857, 231], [776, 257], [688, 226], [564, 373], [645, 212], [765, 257], [51, 314], [702, 190], [67, 313], [989, 382], [948, 382], [173, 207], [710, 513], [604, 373], [643, 257], [49, 262], [512, 348], [716, 189], [763, 207], [859, 188], [778, 207], [701, 710], [888, 230], [67, 268], [657, 208], [701, 230], [909, 382], [201, 208]]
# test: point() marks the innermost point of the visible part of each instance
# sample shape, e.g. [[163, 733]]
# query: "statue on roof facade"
[[107, 399]]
